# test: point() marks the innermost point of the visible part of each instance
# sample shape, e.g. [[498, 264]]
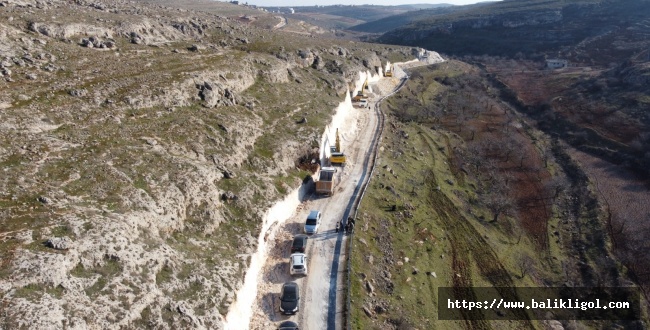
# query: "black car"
[[299, 243], [288, 325], [289, 298]]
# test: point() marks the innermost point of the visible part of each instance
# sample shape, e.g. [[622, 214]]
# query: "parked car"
[[313, 222], [288, 325], [299, 243], [298, 263], [289, 298]]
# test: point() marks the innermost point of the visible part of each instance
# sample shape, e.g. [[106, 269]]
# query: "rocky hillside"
[[596, 106], [600, 98], [385, 24], [525, 27], [140, 145]]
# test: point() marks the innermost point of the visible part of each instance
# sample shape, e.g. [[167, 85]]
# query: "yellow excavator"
[[361, 93], [338, 157], [389, 71]]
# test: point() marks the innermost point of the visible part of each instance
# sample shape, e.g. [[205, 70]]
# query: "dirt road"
[[323, 289], [323, 284], [283, 22]]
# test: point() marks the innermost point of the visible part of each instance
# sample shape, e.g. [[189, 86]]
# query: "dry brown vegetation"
[[499, 151], [599, 112]]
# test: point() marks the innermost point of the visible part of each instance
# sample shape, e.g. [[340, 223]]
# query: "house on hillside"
[[419, 52], [556, 63]]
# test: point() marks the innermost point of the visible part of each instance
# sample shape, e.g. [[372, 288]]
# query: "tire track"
[[465, 241]]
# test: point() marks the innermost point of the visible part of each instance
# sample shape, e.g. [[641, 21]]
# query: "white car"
[[313, 222], [298, 263]]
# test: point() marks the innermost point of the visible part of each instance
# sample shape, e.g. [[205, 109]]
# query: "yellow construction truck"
[[389, 71], [337, 157], [361, 93]]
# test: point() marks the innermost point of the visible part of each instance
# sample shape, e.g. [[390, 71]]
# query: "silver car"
[[298, 263], [313, 222]]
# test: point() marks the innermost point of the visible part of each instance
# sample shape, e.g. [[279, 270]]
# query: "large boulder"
[[59, 243]]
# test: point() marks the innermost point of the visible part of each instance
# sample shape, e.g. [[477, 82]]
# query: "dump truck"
[[325, 183]]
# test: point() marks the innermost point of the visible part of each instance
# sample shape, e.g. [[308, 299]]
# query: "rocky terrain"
[[140, 145], [530, 27]]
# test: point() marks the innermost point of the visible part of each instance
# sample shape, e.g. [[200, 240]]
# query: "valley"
[[158, 158]]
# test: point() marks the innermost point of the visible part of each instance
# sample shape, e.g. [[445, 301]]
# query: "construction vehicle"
[[389, 71], [338, 157], [363, 103], [361, 93], [325, 183]]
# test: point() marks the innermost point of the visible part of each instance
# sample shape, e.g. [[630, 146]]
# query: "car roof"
[[299, 240], [313, 214], [298, 258], [290, 287], [288, 324]]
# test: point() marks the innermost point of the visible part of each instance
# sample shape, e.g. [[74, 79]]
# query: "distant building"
[[556, 63], [291, 11], [421, 53]]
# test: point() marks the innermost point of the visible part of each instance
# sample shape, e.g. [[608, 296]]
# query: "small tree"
[[555, 186], [526, 264], [498, 203]]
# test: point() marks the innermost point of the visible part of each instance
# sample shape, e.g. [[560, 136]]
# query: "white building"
[[556, 63]]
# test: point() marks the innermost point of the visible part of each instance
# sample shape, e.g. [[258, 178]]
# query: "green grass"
[[423, 237], [164, 275], [103, 273], [33, 292], [433, 223], [63, 230], [80, 271], [96, 289]]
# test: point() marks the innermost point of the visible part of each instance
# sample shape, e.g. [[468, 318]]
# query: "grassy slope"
[[442, 227], [437, 230], [385, 24], [465, 31]]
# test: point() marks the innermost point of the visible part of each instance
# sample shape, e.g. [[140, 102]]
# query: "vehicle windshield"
[[297, 242], [311, 222]]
